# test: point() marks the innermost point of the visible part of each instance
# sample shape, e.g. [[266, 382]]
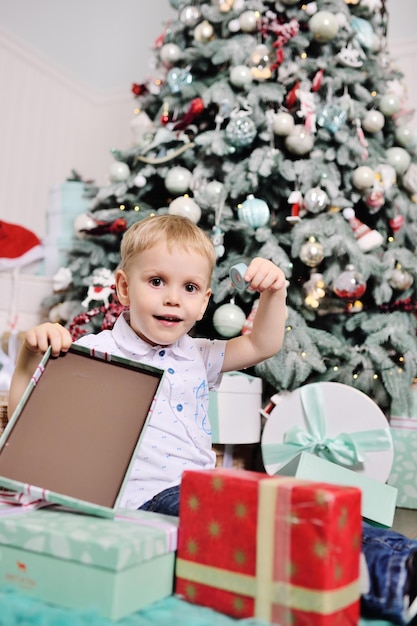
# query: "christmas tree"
[[282, 129]]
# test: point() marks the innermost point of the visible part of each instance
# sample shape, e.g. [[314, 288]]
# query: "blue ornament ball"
[[254, 212]]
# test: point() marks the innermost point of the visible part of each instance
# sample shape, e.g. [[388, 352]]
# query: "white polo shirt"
[[178, 436]]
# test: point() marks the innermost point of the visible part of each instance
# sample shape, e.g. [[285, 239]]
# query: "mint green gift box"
[[404, 475], [113, 566], [330, 432]]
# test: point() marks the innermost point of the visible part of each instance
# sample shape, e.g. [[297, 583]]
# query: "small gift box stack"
[[404, 434], [281, 549]]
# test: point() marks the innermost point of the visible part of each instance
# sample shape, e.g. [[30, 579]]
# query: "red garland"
[[406, 305], [111, 313]]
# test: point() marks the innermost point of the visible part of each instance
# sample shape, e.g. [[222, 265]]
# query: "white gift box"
[[234, 409], [332, 432]]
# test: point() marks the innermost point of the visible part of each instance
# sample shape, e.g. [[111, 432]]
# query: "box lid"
[[239, 382], [131, 538], [74, 435]]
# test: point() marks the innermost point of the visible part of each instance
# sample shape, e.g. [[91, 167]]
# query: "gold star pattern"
[[214, 529], [344, 517], [238, 604], [240, 557], [338, 572], [191, 592], [320, 550], [322, 498], [241, 510], [357, 540], [194, 502], [217, 483], [192, 547]]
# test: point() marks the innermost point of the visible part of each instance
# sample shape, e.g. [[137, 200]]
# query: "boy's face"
[[167, 292]]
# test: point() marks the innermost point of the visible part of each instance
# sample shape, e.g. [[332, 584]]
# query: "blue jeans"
[[386, 553], [167, 502]]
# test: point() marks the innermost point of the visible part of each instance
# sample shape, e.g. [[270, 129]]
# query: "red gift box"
[[281, 549]]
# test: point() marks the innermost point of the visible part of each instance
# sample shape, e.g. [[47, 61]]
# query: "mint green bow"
[[344, 449]]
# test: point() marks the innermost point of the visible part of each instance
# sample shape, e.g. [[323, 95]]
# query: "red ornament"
[[396, 223], [292, 96], [139, 90], [317, 81], [350, 285], [196, 108], [102, 227]]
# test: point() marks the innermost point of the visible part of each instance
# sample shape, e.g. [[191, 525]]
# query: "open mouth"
[[168, 318]]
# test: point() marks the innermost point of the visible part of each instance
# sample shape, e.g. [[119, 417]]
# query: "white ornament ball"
[[228, 320], [240, 76], [190, 15], [299, 141], [139, 181], [234, 26], [399, 159], [213, 190], [248, 21], [170, 53], [82, 224], [185, 207], [283, 124], [363, 177], [323, 26], [316, 200], [178, 180], [406, 137], [373, 121], [389, 104], [203, 32], [119, 172]]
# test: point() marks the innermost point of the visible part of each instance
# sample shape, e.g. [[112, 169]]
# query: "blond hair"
[[172, 229]]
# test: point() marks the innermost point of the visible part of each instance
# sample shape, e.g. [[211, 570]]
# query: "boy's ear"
[[122, 287], [204, 305]]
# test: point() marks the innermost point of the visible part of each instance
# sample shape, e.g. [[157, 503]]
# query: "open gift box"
[[74, 435], [332, 432]]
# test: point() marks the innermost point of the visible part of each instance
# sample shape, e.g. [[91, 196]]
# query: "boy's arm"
[[37, 341], [268, 328]]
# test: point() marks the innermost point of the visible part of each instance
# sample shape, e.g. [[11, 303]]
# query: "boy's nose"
[[172, 296]]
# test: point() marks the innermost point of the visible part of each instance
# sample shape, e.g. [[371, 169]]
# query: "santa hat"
[[18, 246]]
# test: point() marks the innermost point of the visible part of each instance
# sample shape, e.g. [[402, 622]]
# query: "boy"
[[164, 278]]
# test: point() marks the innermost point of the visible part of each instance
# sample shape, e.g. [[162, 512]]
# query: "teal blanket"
[[19, 610]]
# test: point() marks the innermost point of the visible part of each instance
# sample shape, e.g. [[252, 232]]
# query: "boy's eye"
[[190, 288], [156, 282]]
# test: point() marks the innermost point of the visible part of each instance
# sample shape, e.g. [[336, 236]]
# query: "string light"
[[122, 207]]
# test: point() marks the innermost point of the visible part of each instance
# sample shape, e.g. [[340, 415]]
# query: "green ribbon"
[[344, 449]]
